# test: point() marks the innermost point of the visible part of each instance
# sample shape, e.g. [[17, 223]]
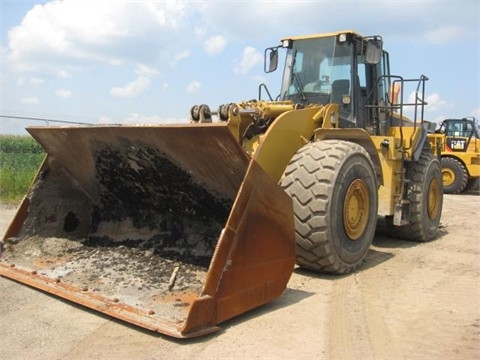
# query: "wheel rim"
[[448, 176], [433, 201], [356, 208]]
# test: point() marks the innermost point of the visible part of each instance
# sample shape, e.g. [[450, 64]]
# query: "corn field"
[[20, 157]]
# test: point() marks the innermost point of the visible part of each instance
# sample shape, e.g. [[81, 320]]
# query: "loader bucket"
[[171, 228]]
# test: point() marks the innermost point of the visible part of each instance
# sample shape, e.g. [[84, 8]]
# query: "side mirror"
[[270, 59], [373, 53]]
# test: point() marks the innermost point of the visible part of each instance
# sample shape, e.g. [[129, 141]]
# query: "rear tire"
[[454, 176], [335, 200], [424, 191]]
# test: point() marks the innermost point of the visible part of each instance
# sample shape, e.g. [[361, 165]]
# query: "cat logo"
[[457, 144]]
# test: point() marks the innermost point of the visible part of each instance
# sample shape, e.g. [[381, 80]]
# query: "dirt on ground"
[[407, 301]]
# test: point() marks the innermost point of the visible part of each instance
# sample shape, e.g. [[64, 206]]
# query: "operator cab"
[[459, 133], [466, 127], [343, 68]]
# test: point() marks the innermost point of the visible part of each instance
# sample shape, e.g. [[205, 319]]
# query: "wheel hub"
[[356, 208], [448, 176]]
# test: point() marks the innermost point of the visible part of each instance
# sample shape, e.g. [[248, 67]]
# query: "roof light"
[[342, 37], [287, 43]]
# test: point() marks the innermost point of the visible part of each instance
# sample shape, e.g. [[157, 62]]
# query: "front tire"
[[335, 200], [454, 176]]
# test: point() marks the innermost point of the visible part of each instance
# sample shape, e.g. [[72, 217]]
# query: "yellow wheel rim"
[[356, 209], [433, 200], [448, 176]]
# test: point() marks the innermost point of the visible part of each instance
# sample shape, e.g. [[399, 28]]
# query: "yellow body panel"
[[391, 164], [289, 133], [469, 158]]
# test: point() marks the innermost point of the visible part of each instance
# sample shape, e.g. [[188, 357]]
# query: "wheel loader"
[[178, 228], [459, 142]]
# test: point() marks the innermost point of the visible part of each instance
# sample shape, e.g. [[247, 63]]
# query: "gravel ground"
[[407, 301]]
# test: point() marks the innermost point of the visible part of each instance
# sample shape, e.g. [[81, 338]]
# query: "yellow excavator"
[[177, 228]]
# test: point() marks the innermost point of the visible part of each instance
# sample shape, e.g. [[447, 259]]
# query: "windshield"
[[314, 69], [460, 127]]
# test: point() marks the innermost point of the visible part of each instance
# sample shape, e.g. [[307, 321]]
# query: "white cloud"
[[143, 70], [152, 119], [138, 86], [168, 14], [36, 81], [179, 56], [250, 58], [59, 35], [132, 89], [434, 102], [141, 119], [63, 93], [214, 45], [193, 87], [30, 100]]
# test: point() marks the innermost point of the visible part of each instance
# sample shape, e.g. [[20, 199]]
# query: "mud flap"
[[170, 228]]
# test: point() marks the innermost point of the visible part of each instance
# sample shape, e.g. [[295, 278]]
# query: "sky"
[[113, 61]]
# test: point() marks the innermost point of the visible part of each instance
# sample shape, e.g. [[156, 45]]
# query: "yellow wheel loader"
[[177, 228], [459, 142]]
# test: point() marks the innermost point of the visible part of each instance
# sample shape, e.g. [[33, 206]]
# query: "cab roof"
[[322, 35]]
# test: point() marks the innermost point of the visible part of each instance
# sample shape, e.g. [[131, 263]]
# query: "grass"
[[20, 157]]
